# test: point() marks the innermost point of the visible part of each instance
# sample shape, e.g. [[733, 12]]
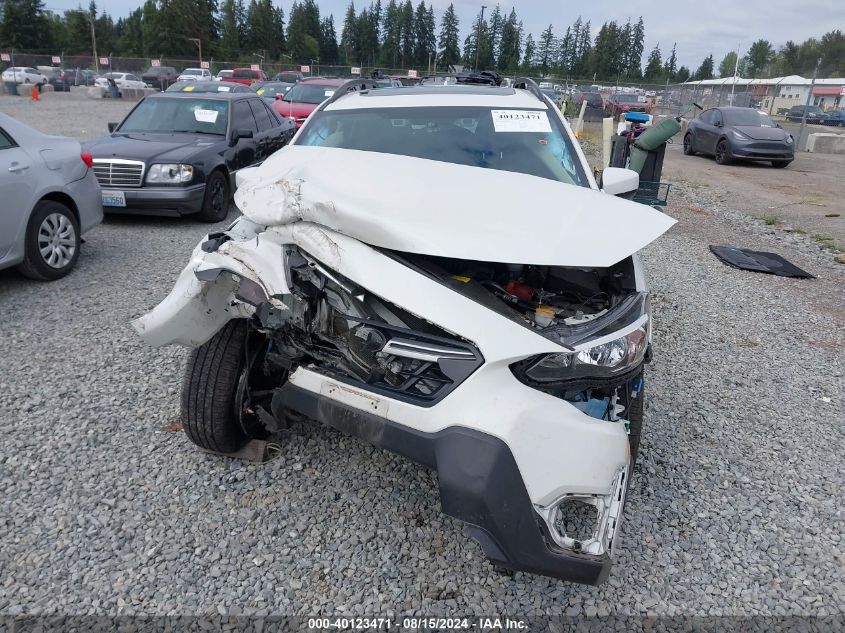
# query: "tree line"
[[392, 34]]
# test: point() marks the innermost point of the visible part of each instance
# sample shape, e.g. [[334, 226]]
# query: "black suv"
[[814, 113], [159, 76], [177, 153]]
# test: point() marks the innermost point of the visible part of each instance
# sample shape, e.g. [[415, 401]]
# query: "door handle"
[[16, 168]]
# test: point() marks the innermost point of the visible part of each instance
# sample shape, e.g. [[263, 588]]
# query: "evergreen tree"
[[407, 37], [728, 64], [565, 53], [654, 66], [450, 52], [349, 48], [705, 71], [24, 24], [546, 50], [637, 46], [787, 59], [229, 44], [391, 34], [303, 37], [130, 41], [510, 44], [529, 54], [670, 68], [150, 19], [497, 23], [759, 56], [425, 44], [682, 75], [476, 45], [328, 42]]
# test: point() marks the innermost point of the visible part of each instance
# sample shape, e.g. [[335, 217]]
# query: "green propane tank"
[[637, 159], [655, 136]]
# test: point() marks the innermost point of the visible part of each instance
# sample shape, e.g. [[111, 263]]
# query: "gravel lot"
[[737, 508]]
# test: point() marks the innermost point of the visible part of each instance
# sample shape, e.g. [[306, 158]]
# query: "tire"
[[780, 163], [688, 150], [635, 427], [723, 152], [51, 243], [215, 203], [209, 387]]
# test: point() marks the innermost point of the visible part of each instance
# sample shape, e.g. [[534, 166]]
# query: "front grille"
[[118, 172]]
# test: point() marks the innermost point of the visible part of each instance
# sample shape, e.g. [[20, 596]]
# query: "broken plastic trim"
[[247, 291], [609, 517]]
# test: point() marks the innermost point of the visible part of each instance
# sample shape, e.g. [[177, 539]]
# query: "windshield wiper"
[[195, 132]]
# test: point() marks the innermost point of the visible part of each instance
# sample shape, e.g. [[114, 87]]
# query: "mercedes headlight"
[[169, 174], [606, 357]]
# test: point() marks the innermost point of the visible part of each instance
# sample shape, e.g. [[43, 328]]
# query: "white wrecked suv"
[[435, 270]]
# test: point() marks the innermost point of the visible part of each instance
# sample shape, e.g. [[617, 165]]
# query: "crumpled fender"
[[195, 310]]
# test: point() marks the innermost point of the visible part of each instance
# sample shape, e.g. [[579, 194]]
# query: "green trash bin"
[[11, 87]]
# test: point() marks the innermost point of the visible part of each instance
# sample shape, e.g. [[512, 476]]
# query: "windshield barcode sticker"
[[205, 116], [520, 121]]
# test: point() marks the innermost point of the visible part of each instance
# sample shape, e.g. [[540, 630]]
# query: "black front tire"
[[723, 153], [34, 264], [688, 150], [209, 388], [215, 203]]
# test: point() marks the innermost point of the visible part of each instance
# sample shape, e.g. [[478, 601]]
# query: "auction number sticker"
[[205, 116], [520, 121]]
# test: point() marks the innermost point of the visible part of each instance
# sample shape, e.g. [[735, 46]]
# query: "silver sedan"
[[49, 198]]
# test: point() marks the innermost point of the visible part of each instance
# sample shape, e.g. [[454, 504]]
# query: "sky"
[[700, 28]]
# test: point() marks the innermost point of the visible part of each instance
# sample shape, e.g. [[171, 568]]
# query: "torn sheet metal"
[[759, 262], [442, 209]]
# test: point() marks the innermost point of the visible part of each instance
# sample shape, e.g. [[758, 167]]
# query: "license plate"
[[114, 199]]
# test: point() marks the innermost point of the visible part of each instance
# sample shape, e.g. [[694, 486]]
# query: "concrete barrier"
[[826, 143], [96, 92]]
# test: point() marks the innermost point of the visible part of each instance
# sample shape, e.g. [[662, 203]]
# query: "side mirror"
[[112, 127], [617, 181], [240, 133], [717, 123]]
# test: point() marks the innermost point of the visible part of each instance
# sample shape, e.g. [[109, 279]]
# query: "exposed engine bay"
[[542, 296]]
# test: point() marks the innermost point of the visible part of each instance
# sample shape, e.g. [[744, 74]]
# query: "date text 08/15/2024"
[[415, 623]]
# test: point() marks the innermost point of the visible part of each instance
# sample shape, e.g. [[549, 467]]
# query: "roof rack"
[[353, 85], [526, 83]]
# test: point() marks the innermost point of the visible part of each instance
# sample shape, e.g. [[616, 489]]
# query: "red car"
[[304, 97], [247, 76], [621, 103]]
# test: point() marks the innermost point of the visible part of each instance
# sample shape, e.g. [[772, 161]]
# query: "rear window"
[[245, 74], [523, 141]]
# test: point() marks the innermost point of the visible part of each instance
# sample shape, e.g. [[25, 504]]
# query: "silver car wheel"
[[56, 240]]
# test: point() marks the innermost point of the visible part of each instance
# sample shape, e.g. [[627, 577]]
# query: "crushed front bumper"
[[480, 484]]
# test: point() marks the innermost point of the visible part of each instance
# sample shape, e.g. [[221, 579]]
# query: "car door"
[[264, 137], [283, 129], [704, 139], [245, 148], [17, 190]]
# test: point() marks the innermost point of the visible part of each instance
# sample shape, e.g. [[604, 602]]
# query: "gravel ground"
[[737, 507]]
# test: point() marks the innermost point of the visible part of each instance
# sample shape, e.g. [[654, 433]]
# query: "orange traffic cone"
[[35, 95]]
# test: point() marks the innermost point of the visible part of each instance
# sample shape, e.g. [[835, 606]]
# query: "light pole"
[[478, 37], [198, 42], [807, 105], [312, 67]]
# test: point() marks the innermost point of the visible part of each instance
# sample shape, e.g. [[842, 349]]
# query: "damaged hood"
[[435, 208]]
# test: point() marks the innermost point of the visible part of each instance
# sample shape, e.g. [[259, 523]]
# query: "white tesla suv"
[[435, 270]]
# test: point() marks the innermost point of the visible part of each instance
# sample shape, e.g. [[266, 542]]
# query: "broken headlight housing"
[[603, 348]]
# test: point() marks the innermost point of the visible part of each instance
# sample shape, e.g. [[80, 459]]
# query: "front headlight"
[[789, 139], [604, 358], [169, 174], [739, 135]]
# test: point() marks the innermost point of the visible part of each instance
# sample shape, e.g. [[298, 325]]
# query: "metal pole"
[[478, 37], [807, 105], [94, 43], [736, 70]]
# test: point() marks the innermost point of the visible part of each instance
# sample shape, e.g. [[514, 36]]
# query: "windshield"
[[751, 118], [524, 141], [628, 98], [197, 116], [192, 71], [309, 93]]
